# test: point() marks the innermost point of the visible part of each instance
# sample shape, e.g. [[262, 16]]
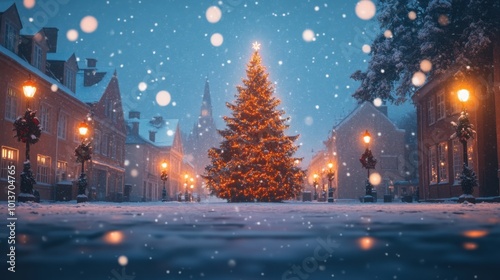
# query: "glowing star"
[[256, 46]]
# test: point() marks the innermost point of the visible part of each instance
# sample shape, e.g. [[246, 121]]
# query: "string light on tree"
[[255, 162]]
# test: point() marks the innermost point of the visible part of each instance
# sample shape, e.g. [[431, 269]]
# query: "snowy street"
[[292, 240]]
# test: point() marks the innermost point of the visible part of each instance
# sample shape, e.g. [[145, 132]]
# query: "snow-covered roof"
[[60, 56], [357, 110], [165, 131], [92, 94]]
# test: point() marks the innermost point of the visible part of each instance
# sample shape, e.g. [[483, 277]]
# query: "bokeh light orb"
[[412, 15], [309, 120], [213, 14], [418, 79], [54, 87], [377, 102], [308, 35], [163, 98], [425, 65], [388, 34], [216, 39], [72, 35], [88, 24], [366, 48], [28, 4], [375, 178], [122, 260], [365, 9], [142, 86]]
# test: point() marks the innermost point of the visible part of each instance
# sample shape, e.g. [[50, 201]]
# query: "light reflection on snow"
[[366, 243], [113, 237]]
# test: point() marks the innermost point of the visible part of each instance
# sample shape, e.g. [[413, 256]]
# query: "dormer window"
[[10, 38], [38, 57]]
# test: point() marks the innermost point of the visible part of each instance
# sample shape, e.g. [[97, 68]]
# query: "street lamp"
[[464, 130], [330, 175], [83, 153], [315, 184], [368, 161], [164, 178], [186, 187], [28, 131]]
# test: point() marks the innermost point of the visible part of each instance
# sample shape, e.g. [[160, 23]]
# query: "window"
[[104, 144], [443, 162], [113, 147], [441, 108], [97, 141], [62, 171], [9, 158], [11, 105], [45, 118], [455, 106], [457, 161], [43, 169], [61, 126], [433, 177], [431, 114], [38, 57], [10, 38], [69, 79]]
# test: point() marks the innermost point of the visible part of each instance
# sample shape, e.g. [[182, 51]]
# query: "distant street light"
[[83, 153], [28, 131], [164, 178], [464, 130], [315, 184], [330, 176], [368, 161]]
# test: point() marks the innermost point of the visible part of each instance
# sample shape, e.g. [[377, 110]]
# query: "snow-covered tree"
[[456, 34], [255, 159]]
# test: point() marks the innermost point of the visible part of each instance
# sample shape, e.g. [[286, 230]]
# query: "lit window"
[[11, 102], [9, 158], [43, 169], [433, 172], [443, 162], [61, 126], [62, 171]]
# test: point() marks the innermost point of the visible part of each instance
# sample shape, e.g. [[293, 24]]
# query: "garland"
[[367, 160], [28, 128], [464, 130]]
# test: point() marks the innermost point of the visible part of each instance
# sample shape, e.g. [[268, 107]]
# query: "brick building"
[[66, 95]]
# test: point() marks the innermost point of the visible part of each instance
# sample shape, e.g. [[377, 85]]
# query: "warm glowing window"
[[11, 102], [43, 169], [9, 158], [62, 171], [443, 162], [433, 171], [62, 124]]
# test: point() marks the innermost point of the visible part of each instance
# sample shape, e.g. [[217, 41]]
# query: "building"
[[441, 157], [203, 136], [344, 147], [66, 95], [149, 143]]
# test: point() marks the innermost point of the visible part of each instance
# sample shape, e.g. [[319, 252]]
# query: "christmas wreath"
[[464, 130], [28, 128], [367, 160], [83, 152]]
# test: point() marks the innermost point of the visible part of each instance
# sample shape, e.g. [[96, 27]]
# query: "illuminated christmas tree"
[[255, 159]]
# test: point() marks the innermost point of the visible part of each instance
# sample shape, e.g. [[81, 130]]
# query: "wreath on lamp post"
[[464, 130], [367, 160], [27, 127], [83, 152]]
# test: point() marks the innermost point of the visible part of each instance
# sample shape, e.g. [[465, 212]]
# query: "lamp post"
[[330, 175], [186, 187], [368, 161], [315, 184], [164, 178], [28, 131], [464, 130], [83, 153]]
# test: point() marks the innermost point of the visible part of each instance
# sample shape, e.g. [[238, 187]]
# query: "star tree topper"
[[256, 46]]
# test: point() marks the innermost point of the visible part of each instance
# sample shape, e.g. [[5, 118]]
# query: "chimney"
[[134, 116], [152, 135], [91, 62]]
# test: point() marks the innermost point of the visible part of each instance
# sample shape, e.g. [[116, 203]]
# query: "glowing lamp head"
[[330, 165], [185, 176], [463, 95], [83, 128], [29, 88], [367, 137], [315, 176], [164, 165]]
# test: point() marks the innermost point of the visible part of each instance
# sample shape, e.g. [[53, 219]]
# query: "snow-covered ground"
[[292, 240]]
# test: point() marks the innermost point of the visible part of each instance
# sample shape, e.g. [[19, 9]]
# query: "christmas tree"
[[255, 159]]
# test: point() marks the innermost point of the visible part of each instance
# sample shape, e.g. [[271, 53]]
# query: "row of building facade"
[[127, 151]]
